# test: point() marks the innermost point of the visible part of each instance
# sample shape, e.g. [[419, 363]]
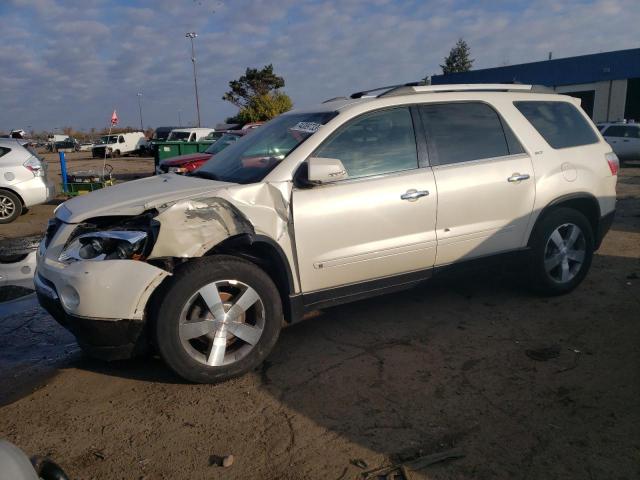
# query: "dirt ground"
[[438, 367]]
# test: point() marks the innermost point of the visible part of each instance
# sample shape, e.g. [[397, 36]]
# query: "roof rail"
[[390, 87], [335, 99], [465, 87]]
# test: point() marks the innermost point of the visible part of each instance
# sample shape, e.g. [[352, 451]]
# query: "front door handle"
[[518, 177], [412, 195]]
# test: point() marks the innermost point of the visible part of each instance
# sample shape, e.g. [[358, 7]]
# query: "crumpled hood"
[[182, 159], [133, 198]]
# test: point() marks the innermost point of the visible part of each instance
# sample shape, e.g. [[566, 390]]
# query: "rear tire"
[[562, 246], [205, 344], [10, 206]]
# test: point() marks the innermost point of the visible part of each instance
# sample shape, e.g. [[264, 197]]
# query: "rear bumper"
[[110, 339], [604, 226], [35, 191]]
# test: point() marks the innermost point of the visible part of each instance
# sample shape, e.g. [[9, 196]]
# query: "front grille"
[[52, 228]]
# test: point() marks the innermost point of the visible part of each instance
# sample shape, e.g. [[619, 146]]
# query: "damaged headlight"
[[106, 245]]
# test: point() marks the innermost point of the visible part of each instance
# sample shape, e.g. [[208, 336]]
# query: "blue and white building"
[[608, 83]]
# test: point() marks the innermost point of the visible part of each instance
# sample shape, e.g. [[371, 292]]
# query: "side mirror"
[[326, 170]]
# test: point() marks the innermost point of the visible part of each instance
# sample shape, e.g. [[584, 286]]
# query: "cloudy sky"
[[70, 62]]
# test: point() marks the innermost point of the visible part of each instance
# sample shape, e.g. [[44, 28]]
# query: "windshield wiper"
[[202, 174]]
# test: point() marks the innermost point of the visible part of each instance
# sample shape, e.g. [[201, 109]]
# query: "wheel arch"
[[583, 202], [268, 255], [5, 189]]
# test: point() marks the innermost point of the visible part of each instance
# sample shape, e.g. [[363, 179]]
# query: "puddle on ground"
[[33, 347]]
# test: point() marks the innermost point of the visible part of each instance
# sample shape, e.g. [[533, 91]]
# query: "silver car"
[[23, 180]]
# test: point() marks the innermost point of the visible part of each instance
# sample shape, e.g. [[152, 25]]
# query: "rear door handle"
[[412, 195], [518, 177]]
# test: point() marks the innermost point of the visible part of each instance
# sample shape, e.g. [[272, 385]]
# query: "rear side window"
[[622, 131], [461, 132], [559, 123], [4, 151]]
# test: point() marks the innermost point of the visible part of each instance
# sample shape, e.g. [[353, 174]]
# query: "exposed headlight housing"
[[106, 245]]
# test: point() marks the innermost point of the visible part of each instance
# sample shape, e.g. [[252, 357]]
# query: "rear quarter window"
[[4, 151], [622, 131], [559, 123]]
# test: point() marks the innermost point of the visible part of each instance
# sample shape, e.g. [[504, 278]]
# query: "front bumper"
[[103, 303], [105, 339]]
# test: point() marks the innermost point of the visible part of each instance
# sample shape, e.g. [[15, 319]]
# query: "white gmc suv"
[[354, 198]]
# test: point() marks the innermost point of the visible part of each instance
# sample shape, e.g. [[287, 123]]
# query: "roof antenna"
[[550, 55]]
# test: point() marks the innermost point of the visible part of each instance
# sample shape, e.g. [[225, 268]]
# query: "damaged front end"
[[93, 279], [97, 276]]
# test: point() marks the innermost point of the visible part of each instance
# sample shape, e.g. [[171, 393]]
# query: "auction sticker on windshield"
[[308, 127]]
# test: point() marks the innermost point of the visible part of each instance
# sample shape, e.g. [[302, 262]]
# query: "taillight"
[[614, 163], [34, 166]]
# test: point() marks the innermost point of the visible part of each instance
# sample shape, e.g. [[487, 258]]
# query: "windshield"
[[252, 157], [107, 139], [223, 142], [213, 136], [179, 135]]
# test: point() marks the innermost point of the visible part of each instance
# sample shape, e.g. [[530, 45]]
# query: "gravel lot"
[[438, 367]]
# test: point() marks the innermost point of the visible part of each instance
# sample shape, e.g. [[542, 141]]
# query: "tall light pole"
[[191, 36], [179, 117], [139, 94]]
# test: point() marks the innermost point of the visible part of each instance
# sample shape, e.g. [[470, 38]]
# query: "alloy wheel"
[[7, 206], [565, 253], [222, 322]]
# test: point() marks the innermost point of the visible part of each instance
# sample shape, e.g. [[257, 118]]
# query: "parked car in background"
[[189, 134], [68, 144], [251, 126], [23, 180], [354, 198], [624, 138], [160, 134], [119, 144], [85, 147], [188, 163]]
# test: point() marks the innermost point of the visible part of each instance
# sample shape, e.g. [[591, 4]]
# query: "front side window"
[[374, 144], [179, 136], [462, 132], [559, 123], [251, 158]]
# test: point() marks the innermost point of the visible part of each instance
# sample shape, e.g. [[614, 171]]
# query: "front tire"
[[562, 247], [219, 318], [10, 206]]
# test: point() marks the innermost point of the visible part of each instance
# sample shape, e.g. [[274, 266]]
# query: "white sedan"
[[23, 180]]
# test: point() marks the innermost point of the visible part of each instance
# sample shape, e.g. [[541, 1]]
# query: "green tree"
[[257, 95], [459, 59], [265, 107]]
